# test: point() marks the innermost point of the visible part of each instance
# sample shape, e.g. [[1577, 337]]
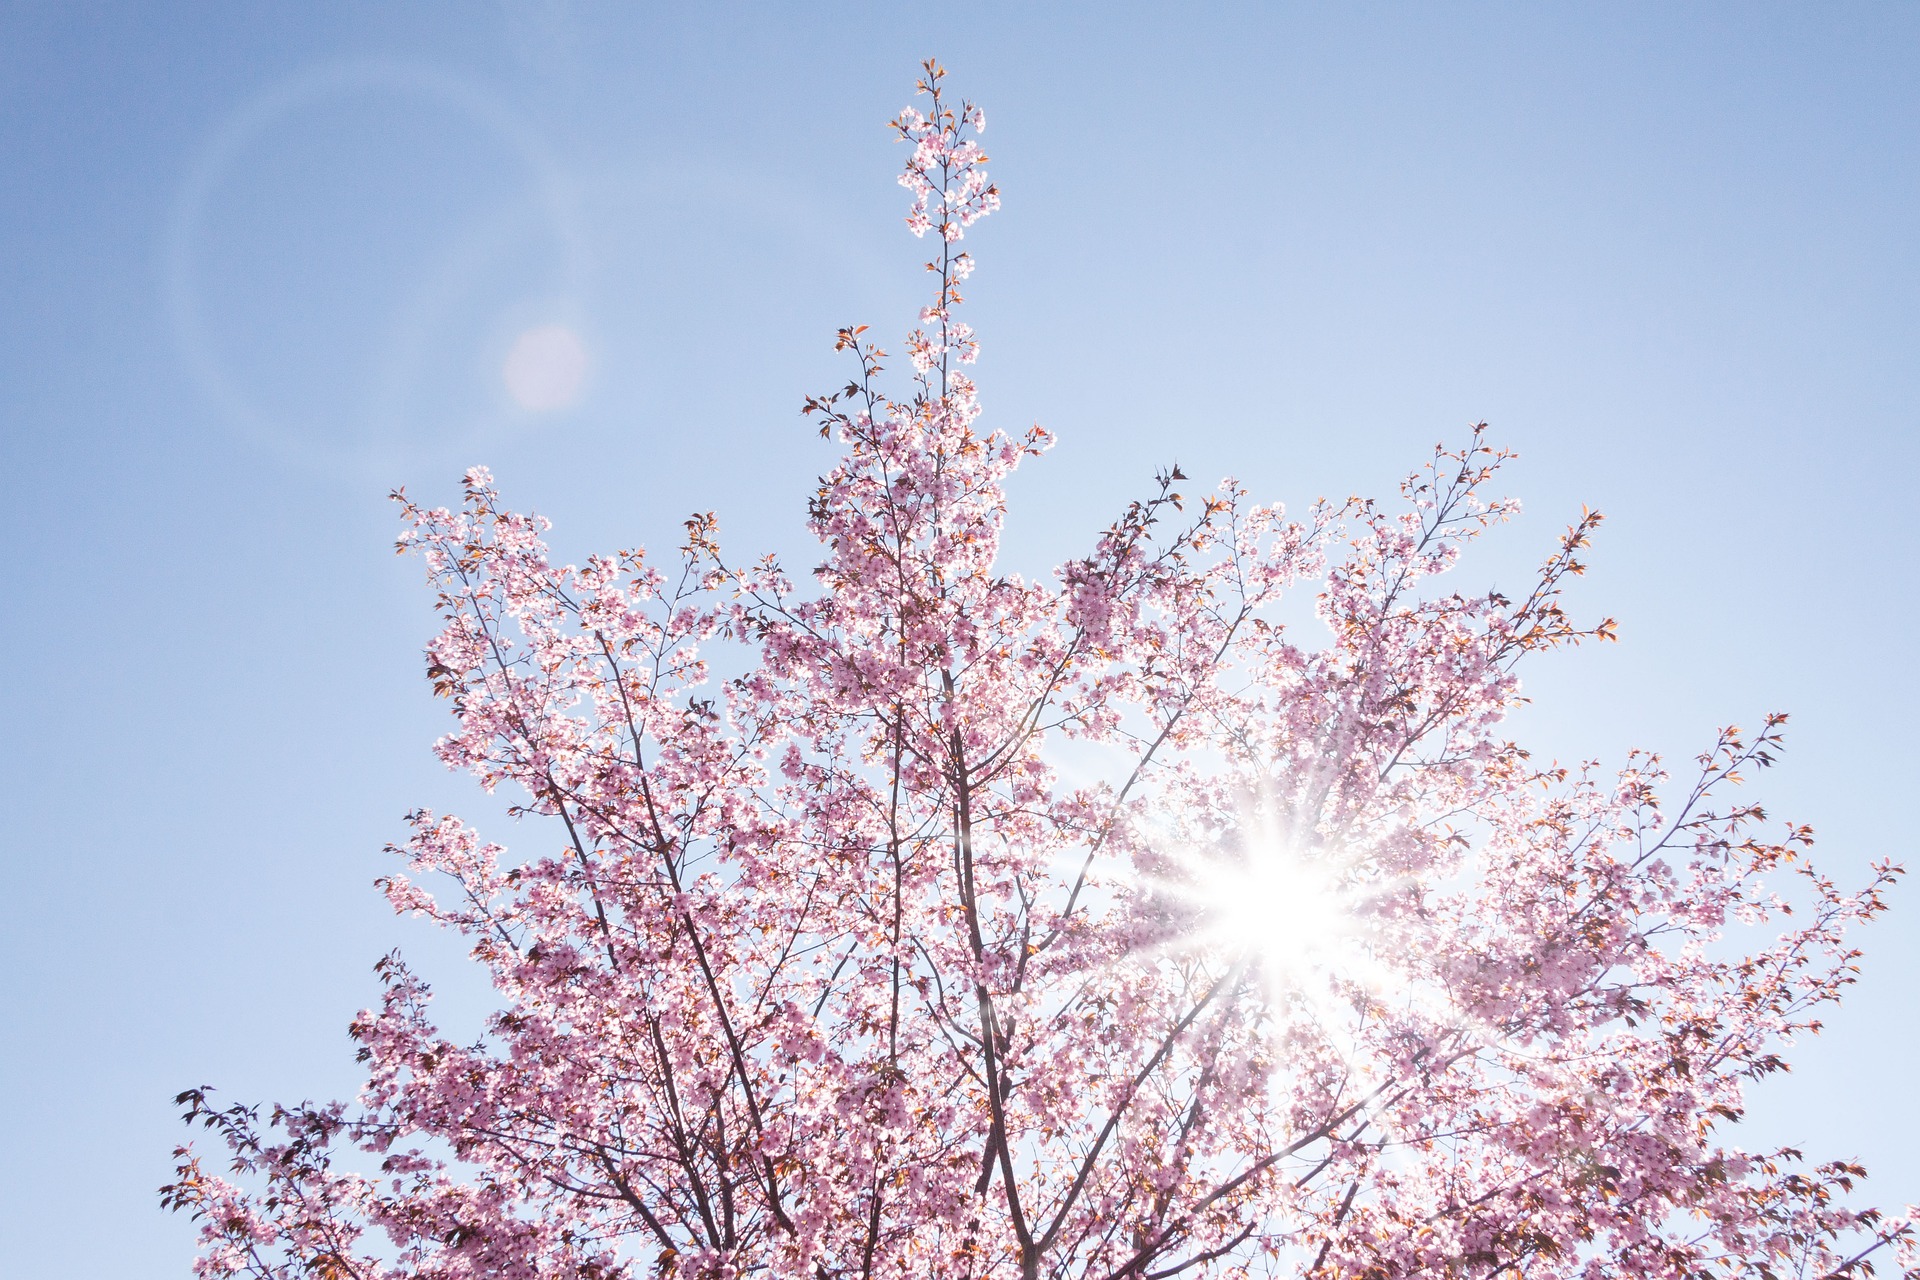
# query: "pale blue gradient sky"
[[259, 264]]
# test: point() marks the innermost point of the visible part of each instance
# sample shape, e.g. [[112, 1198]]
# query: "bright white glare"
[[1278, 907], [545, 368]]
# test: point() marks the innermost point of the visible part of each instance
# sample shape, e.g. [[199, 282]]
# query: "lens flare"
[[545, 369]]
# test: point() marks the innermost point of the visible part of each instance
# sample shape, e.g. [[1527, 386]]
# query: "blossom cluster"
[[951, 192]]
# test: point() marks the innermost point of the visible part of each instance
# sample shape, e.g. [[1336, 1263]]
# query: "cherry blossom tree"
[[1098, 926]]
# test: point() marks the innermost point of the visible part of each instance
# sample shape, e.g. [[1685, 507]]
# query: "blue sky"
[[260, 264]]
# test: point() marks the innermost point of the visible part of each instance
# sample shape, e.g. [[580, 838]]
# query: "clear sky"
[[258, 264]]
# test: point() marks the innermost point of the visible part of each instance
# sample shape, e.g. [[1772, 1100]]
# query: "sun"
[[1275, 904], [1287, 910], [1290, 903]]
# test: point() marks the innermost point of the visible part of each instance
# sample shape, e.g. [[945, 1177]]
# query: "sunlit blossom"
[[815, 960]]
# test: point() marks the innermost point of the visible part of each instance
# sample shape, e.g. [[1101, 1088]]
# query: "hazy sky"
[[260, 264]]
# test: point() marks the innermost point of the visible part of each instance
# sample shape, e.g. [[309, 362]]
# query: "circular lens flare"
[[545, 369]]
